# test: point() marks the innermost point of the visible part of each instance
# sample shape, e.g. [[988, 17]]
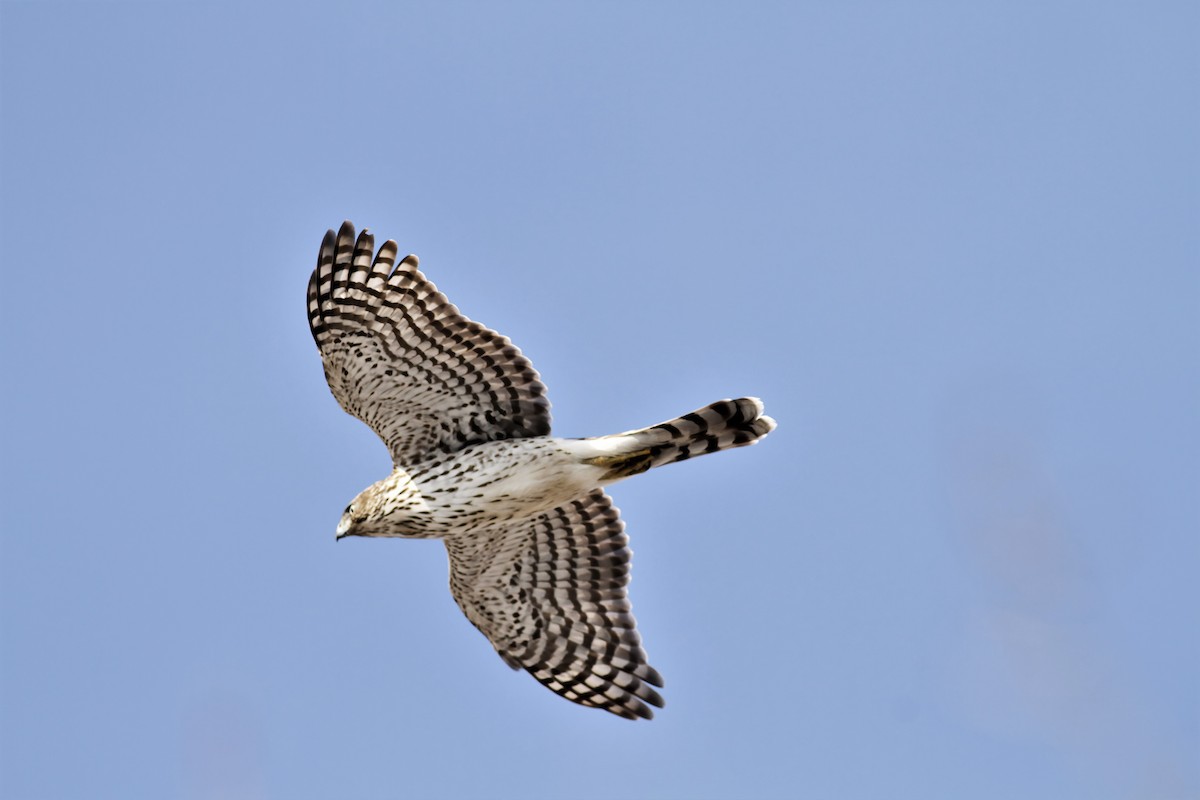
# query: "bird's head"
[[389, 507]]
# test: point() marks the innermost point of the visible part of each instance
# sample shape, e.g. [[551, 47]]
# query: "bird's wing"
[[549, 593], [401, 358]]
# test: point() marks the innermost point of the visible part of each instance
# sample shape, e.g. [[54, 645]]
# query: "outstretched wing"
[[401, 358], [550, 595]]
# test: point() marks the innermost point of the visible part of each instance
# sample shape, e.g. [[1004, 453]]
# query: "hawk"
[[539, 559]]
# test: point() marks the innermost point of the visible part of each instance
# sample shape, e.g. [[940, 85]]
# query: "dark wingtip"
[[642, 710], [652, 697]]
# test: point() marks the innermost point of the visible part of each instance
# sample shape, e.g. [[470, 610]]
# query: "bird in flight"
[[539, 559]]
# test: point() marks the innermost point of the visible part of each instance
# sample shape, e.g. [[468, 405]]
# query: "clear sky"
[[953, 246]]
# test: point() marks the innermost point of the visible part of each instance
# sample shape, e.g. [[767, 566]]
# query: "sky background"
[[953, 246]]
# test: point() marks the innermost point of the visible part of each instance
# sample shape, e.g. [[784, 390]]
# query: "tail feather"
[[719, 426]]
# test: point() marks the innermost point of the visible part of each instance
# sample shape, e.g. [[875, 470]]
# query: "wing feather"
[[400, 357], [550, 594]]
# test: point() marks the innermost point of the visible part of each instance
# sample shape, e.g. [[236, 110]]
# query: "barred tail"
[[720, 426]]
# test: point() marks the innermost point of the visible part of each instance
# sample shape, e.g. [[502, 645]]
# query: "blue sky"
[[954, 247]]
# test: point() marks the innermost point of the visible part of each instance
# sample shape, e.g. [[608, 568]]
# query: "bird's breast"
[[500, 481]]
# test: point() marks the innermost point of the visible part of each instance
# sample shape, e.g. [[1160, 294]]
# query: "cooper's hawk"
[[539, 560]]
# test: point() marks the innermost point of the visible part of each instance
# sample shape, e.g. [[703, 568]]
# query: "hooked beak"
[[343, 529]]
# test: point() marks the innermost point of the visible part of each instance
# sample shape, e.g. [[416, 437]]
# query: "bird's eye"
[[348, 509]]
